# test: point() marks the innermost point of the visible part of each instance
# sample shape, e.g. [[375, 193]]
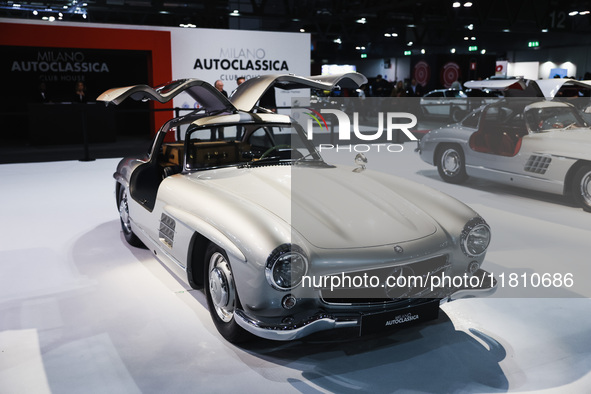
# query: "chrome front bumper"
[[291, 332], [325, 322]]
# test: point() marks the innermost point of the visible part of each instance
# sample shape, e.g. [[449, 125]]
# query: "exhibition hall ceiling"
[[341, 29]]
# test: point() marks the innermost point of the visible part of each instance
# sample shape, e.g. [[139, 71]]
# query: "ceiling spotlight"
[[466, 38], [35, 12], [473, 38], [387, 35], [584, 12], [544, 30], [337, 41], [483, 51], [468, 4], [84, 16], [470, 26], [506, 30], [363, 21], [456, 4], [409, 43], [302, 30], [453, 50], [423, 51], [52, 18], [235, 13], [573, 13]]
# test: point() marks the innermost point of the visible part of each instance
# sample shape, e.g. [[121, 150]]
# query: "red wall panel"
[[56, 36]]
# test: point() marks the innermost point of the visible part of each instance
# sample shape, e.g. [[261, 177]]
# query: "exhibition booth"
[[182, 268]]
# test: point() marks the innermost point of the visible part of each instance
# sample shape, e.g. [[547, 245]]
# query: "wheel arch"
[[570, 175], [441, 145], [196, 260]]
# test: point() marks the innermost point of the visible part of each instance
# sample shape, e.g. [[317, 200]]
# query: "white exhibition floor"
[[83, 312]]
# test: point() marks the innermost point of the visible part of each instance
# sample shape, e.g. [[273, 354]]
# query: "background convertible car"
[[245, 207], [529, 142]]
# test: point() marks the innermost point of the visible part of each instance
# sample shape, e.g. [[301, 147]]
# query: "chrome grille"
[[417, 277]]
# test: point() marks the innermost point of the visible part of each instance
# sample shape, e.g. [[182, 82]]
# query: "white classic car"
[[246, 208], [529, 142]]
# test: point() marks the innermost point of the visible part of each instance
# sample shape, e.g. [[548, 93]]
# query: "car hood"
[[329, 207]]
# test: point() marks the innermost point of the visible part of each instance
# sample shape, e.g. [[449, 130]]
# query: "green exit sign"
[[472, 48], [533, 44], [407, 53], [363, 55]]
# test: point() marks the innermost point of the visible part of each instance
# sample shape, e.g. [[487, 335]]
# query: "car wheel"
[[130, 237], [581, 187], [451, 165], [222, 298], [457, 115]]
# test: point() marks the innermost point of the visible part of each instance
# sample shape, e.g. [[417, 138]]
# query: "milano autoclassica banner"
[[226, 55]]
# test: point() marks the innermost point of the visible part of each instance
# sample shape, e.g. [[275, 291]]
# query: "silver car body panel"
[[204, 93], [250, 92]]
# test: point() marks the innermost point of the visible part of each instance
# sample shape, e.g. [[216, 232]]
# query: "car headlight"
[[286, 266], [475, 237]]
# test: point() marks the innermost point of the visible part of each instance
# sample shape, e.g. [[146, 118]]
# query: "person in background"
[[380, 87], [42, 96], [457, 84], [79, 92], [219, 85], [398, 90], [240, 81], [414, 90]]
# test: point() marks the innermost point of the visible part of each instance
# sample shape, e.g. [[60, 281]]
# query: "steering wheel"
[[276, 147]]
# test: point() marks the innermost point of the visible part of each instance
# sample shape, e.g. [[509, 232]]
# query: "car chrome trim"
[[482, 291], [514, 174], [292, 331], [471, 225]]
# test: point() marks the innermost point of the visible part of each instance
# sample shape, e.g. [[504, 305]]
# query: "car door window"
[[471, 120]]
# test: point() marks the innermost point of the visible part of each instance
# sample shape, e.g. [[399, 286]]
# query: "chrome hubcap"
[[124, 213], [586, 188], [450, 161], [221, 287]]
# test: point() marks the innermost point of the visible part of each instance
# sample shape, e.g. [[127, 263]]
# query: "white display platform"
[[81, 311]]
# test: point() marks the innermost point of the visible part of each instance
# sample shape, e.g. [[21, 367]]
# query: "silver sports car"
[[532, 143], [283, 243]]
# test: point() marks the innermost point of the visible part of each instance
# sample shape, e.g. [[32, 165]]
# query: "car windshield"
[[545, 119], [248, 145]]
